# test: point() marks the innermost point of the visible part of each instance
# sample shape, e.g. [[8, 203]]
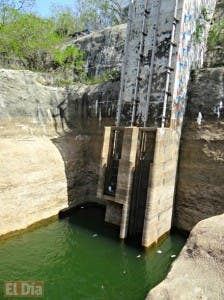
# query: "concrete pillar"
[[159, 207], [125, 175], [104, 160]]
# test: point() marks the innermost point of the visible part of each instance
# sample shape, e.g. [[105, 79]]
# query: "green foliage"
[[32, 39], [216, 34], [70, 56], [205, 14], [65, 23], [96, 14], [27, 36], [113, 75], [38, 43], [198, 31], [7, 6], [200, 24]]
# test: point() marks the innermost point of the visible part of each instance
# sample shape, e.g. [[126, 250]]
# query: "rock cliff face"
[[103, 50], [200, 187], [215, 53], [199, 270], [33, 183], [45, 166], [28, 98]]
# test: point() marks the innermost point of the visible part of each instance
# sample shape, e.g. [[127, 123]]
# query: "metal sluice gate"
[[140, 183], [125, 180], [114, 155]]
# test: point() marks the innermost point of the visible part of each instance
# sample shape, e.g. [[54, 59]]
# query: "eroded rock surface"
[[33, 183], [45, 167], [198, 273], [103, 49], [200, 186]]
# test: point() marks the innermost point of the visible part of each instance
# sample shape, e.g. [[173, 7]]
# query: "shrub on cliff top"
[[31, 39]]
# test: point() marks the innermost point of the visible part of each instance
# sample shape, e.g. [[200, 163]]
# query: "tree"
[[65, 23], [96, 14], [31, 39], [8, 9]]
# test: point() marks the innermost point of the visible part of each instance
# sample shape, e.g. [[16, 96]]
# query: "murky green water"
[[81, 258]]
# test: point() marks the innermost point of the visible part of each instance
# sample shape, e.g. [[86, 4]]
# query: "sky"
[[43, 7]]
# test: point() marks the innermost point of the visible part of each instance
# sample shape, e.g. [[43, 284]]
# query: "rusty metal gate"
[[144, 158], [111, 172]]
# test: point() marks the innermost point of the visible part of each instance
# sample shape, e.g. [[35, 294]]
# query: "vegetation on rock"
[[216, 35], [39, 44], [32, 39], [97, 14]]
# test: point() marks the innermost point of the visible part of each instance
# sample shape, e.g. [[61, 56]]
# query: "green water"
[[80, 257]]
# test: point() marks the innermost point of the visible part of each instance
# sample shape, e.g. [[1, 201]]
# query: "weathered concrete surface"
[[33, 184], [198, 273], [153, 68], [160, 197], [200, 186]]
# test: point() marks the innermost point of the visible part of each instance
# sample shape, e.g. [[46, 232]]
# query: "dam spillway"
[[142, 201], [138, 171]]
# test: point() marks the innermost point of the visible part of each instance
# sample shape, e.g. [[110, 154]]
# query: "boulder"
[[198, 272]]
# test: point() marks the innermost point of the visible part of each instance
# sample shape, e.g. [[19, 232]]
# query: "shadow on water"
[[90, 216]]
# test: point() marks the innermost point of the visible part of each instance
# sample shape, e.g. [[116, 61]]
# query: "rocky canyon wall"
[[32, 111], [50, 144], [103, 50], [200, 186]]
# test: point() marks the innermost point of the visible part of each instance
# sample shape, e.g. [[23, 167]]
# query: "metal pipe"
[[169, 65], [155, 29]]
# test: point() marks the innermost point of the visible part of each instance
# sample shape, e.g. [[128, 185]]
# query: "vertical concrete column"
[[125, 175], [104, 159], [126, 206], [159, 207]]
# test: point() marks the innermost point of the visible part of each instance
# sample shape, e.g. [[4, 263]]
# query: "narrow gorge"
[[53, 137]]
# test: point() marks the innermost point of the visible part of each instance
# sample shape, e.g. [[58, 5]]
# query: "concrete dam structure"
[[166, 40]]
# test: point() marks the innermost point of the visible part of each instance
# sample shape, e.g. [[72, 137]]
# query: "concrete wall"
[[188, 54], [190, 35], [159, 207], [161, 59], [125, 175], [113, 213], [191, 50]]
